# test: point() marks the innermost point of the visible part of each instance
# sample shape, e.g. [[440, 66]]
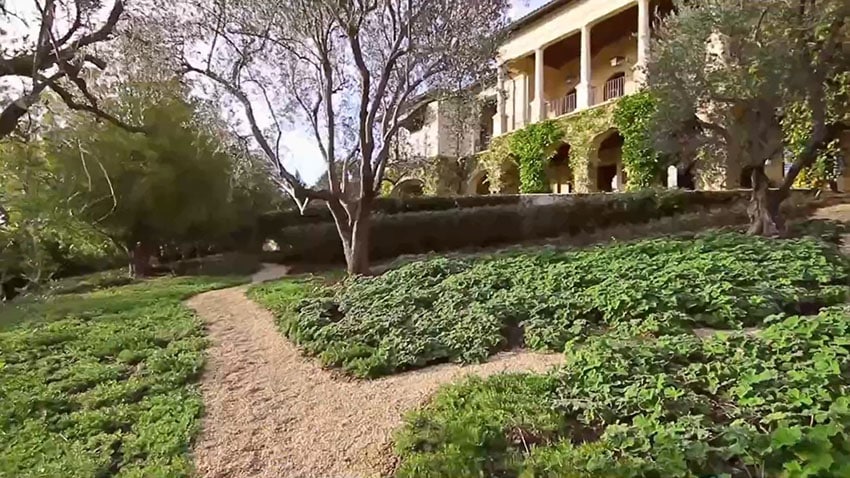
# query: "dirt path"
[[839, 212], [272, 413]]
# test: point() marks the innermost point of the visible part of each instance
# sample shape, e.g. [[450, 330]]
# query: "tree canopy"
[[729, 72]]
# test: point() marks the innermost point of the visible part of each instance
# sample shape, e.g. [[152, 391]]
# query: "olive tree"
[[50, 45], [727, 72], [349, 71]]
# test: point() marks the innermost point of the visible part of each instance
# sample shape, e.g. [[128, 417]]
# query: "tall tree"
[[185, 181], [727, 71], [347, 69], [50, 45]]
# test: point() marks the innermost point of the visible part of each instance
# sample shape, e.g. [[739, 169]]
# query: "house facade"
[[569, 61]]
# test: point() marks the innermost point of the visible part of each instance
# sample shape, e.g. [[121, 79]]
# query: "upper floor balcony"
[[572, 55]]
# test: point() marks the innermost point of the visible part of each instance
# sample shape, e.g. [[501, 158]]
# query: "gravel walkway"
[[272, 413], [841, 213]]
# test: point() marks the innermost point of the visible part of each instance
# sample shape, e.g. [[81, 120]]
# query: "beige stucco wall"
[[440, 134], [564, 22], [425, 142], [601, 70]]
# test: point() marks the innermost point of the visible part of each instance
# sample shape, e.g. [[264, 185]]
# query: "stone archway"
[[408, 188], [559, 171], [509, 181], [605, 165], [478, 184]]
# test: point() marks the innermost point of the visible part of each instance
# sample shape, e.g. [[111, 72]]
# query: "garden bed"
[[774, 404], [464, 310], [102, 384]]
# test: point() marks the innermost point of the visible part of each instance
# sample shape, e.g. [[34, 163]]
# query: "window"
[[615, 87]]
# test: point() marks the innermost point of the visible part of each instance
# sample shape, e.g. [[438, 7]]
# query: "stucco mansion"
[[568, 61]]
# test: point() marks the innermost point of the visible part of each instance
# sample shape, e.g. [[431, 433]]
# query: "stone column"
[[500, 122], [538, 109], [643, 41], [523, 98], [672, 177], [583, 89]]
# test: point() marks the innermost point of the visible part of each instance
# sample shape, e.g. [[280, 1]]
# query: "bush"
[[420, 232], [774, 404], [101, 384], [465, 310]]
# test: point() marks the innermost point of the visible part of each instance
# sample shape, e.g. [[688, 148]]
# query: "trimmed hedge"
[[529, 218], [318, 213]]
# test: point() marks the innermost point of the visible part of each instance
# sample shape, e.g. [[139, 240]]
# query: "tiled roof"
[[537, 14]]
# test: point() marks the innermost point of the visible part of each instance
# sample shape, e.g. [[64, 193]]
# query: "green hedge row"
[[318, 213], [421, 232]]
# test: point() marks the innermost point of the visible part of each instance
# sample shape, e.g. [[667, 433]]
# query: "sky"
[[304, 154]]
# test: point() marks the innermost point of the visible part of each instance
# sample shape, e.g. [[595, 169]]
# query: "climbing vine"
[[533, 146], [633, 116], [493, 161], [797, 127]]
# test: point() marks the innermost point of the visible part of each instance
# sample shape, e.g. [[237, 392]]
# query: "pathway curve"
[[272, 413], [838, 212]]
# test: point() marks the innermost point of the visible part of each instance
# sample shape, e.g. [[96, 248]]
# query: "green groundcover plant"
[[773, 404], [465, 310], [101, 384]]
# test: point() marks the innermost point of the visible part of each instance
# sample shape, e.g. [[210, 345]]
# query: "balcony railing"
[[615, 88], [561, 106]]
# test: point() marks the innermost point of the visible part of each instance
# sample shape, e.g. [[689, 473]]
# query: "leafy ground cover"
[[101, 384], [776, 404], [465, 310]]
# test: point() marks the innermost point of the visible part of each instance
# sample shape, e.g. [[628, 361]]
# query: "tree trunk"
[[358, 255], [354, 233], [140, 259], [765, 218]]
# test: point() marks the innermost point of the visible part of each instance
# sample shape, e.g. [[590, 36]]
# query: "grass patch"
[[775, 404], [101, 384], [465, 310]]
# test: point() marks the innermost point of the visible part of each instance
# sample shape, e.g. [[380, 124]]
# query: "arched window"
[[615, 87]]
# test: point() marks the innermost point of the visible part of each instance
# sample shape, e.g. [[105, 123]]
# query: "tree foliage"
[[727, 72], [350, 71], [183, 182], [51, 46], [39, 224]]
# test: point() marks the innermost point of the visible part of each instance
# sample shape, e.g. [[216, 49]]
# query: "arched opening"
[[609, 172], [482, 185], [510, 178], [408, 188], [615, 87], [559, 171], [685, 178], [746, 179]]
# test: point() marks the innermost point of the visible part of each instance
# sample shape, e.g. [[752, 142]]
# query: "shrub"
[[101, 384], [464, 310], [421, 232], [774, 404]]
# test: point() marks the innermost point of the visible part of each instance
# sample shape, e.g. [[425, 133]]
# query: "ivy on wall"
[[583, 132], [493, 161], [532, 146], [633, 117], [580, 130]]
